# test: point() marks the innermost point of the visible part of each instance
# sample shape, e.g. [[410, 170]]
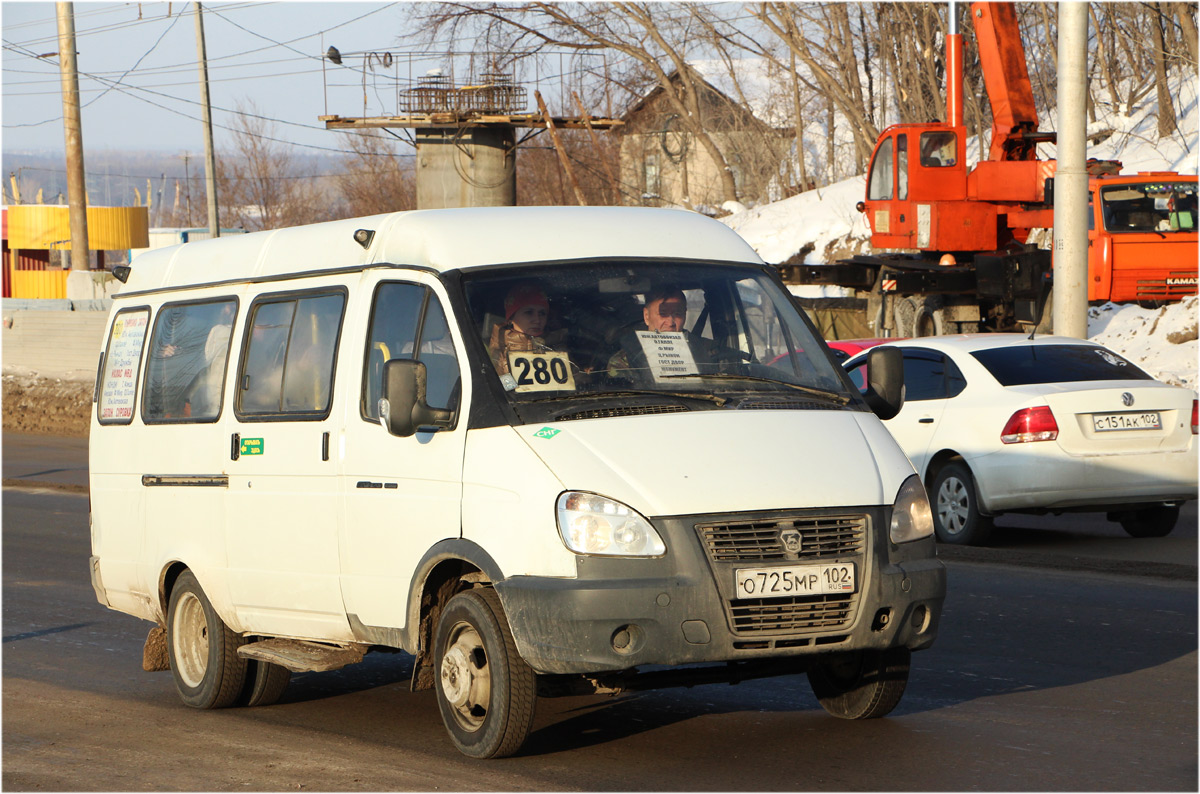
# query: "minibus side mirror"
[[403, 410], [885, 381]]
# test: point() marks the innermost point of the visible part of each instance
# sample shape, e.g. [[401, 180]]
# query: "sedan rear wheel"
[[956, 516]]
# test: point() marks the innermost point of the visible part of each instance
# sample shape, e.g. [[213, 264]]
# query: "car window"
[[290, 354], [185, 376], [955, 382], [924, 375], [396, 323], [1018, 365]]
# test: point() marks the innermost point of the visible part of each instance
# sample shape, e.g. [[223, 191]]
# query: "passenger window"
[[290, 354], [185, 374], [408, 322], [879, 187], [955, 382], [902, 167], [924, 376], [939, 149], [122, 360]]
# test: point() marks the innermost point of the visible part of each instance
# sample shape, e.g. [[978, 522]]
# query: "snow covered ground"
[[1163, 342]]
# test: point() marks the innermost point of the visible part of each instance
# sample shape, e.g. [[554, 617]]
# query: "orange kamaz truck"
[[953, 243]]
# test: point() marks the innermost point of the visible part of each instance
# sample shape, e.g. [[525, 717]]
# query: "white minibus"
[[539, 449]]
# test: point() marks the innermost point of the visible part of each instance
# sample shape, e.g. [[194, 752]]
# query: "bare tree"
[[261, 183], [377, 179]]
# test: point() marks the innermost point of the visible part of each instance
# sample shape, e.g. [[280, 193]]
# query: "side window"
[[924, 376], [122, 359], [880, 185], [939, 149], [955, 382], [290, 353], [901, 167], [185, 374], [407, 321]]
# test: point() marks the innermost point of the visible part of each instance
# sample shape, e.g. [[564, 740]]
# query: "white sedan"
[[998, 423]]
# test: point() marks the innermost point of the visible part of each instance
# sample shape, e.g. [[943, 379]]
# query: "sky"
[[139, 77]]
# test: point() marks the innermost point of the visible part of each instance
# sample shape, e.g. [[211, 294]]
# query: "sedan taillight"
[[1195, 403], [1030, 424]]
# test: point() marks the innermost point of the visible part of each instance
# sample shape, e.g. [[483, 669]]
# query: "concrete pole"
[[1071, 179], [210, 163], [73, 129]]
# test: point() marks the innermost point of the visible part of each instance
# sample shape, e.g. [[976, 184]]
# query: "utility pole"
[[73, 130], [210, 164], [1069, 311]]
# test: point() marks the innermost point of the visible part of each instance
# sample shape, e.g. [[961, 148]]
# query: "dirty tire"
[[265, 683], [1150, 522], [955, 503], [918, 315], [208, 672], [485, 690], [861, 685]]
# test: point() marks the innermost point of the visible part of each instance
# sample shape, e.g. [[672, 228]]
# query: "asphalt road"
[[1044, 677]]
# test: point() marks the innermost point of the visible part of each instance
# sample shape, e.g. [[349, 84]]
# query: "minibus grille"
[[820, 537], [823, 537], [627, 410], [802, 613]]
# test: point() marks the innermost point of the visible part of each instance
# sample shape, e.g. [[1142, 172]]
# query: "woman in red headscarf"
[[525, 312]]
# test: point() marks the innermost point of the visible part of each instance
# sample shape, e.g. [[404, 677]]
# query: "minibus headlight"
[[911, 517], [591, 524]]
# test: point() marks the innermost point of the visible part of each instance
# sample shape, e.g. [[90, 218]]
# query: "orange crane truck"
[[953, 251]]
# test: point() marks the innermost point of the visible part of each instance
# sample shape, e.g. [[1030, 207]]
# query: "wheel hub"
[[465, 678], [952, 505]]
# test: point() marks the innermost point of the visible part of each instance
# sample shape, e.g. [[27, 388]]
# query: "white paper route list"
[[667, 353], [121, 367]]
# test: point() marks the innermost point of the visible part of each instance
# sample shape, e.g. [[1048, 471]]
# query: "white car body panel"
[[726, 461]]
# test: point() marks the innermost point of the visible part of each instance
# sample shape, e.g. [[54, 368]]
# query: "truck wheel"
[[956, 517], [485, 690], [265, 683], [861, 685], [208, 672], [1150, 522], [919, 315]]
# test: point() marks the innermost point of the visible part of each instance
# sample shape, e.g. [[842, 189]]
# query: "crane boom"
[[1002, 58]]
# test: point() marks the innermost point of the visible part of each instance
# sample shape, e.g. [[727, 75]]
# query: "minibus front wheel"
[[208, 672], [861, 685], [485, 690]]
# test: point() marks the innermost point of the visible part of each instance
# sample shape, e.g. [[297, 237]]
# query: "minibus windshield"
[[708, 334]]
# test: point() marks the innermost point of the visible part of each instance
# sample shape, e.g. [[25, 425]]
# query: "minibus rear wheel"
[[208, 672], [485, 690], [265, 683], [861, 685]]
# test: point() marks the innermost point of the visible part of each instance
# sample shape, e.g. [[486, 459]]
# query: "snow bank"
[[1160, 341]]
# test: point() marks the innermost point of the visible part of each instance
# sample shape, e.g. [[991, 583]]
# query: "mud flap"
[[154, 654]]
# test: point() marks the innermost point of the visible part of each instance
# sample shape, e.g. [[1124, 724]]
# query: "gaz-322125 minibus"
[[538, 449]]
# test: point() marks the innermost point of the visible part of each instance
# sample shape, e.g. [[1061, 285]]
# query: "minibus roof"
[[442, 240]]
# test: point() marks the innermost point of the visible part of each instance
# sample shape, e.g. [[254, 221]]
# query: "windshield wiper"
[[832, 396], [600, 395]]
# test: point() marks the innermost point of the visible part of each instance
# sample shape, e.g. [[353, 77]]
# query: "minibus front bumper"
[[681, 608]]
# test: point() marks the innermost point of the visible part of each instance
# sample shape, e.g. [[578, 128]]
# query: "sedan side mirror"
[[402, 409], [885, 381]]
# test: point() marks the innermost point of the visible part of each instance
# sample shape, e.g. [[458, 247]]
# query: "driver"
[[665, 312]]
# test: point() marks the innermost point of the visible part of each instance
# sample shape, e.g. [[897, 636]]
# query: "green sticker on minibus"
[[547, 432], [251, 446]]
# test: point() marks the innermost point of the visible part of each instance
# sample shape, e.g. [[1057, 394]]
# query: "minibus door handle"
[[325, 445], [235, 448]]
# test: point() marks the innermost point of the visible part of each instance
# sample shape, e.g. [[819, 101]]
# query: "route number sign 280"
[[549, 371]]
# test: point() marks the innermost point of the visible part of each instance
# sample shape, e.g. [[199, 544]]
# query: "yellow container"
[[38, 283], [48, 227]]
